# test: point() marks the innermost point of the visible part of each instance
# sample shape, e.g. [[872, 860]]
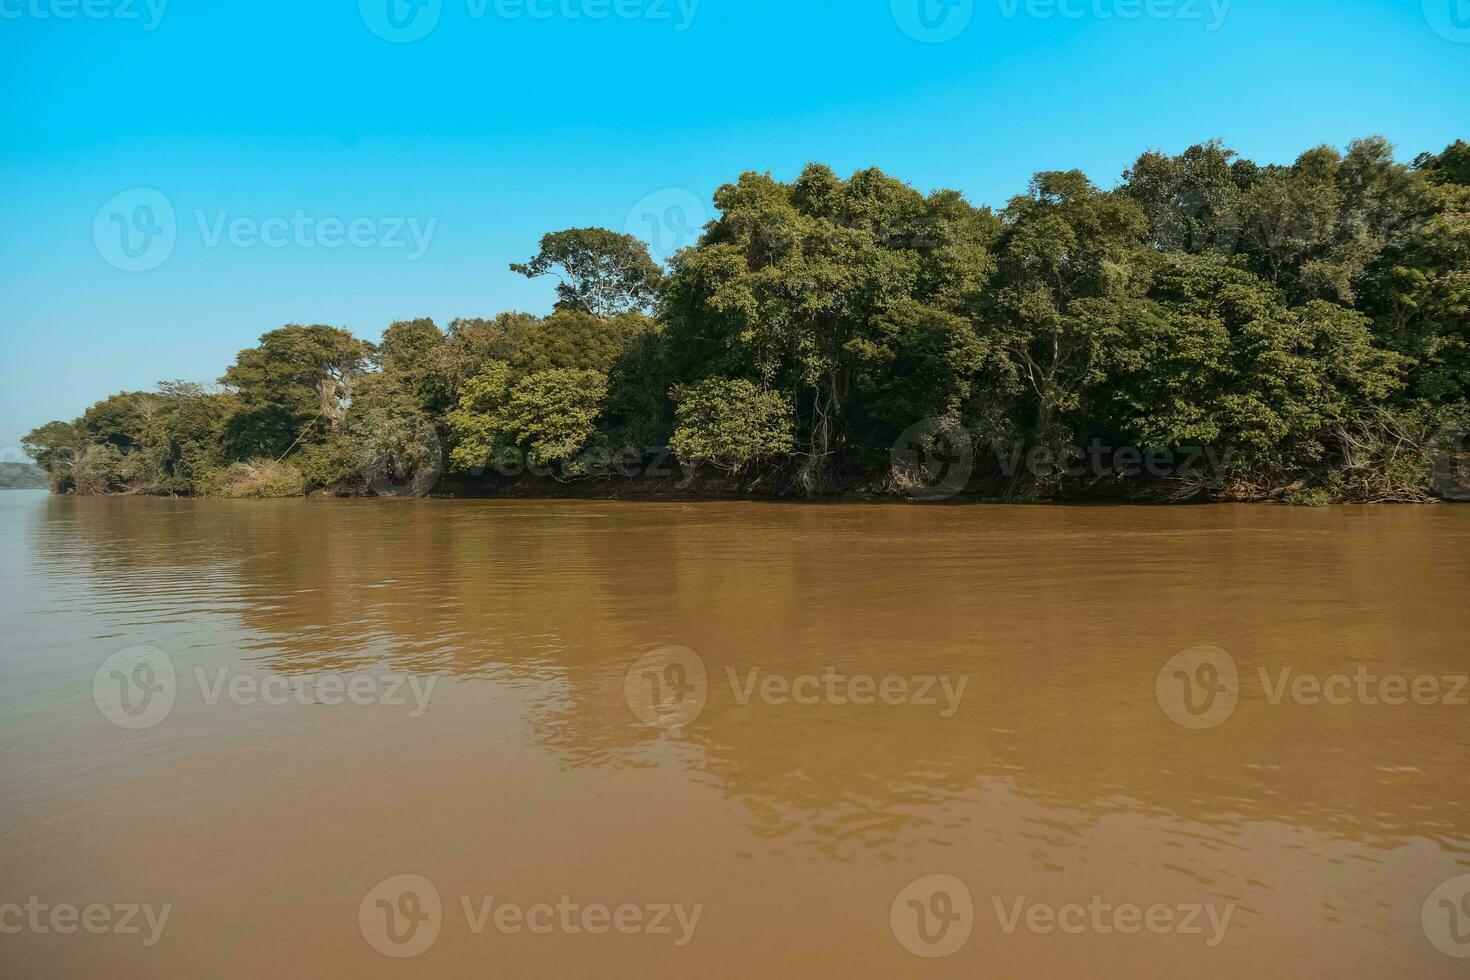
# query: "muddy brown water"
[[580, 739]]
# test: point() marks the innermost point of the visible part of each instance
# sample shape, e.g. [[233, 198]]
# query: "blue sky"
[[326, 164]]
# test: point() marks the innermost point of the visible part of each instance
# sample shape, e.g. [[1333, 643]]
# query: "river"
[[460, 738]]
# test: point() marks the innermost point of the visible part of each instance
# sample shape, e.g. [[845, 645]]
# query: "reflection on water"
[[1059, 771]]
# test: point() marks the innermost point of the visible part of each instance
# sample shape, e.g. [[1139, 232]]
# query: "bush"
[[398, 454], [1309, 497], [331, 464], [261, 478], [731, 424], [549, 416]]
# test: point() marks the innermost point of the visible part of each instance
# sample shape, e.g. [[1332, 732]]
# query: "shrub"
[[260, 478], [730, 424]]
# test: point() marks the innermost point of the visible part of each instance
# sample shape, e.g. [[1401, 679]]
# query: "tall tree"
[[1071, 279], [296, 383], [601, 272]]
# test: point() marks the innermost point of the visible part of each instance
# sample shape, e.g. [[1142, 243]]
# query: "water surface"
[[1056, 777]]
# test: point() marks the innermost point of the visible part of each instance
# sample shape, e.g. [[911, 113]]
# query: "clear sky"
[[353, 162]]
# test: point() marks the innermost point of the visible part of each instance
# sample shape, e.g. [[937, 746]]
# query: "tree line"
[[1308, 323]]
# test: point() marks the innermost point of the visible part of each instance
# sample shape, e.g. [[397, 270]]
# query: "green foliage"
[[470, 344], [1419, 297], [1450, 167], [548, 416], [411, 356], [601, 272], [296, 384], [1191, 201], [1072, 272], [580, 341], [332, 464], [638, 414], [98, 469], [54, 446], [732, 424], [398, 454], [1309, 323], [785, 287], [1309, 497], [1221, 360], [186, 436], [122, 419], [261, 478]]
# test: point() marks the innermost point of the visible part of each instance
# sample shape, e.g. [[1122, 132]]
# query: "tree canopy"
[[1307, 323], [601, 272]]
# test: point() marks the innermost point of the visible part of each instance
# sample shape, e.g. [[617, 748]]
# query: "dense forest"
[[1305, 329]]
